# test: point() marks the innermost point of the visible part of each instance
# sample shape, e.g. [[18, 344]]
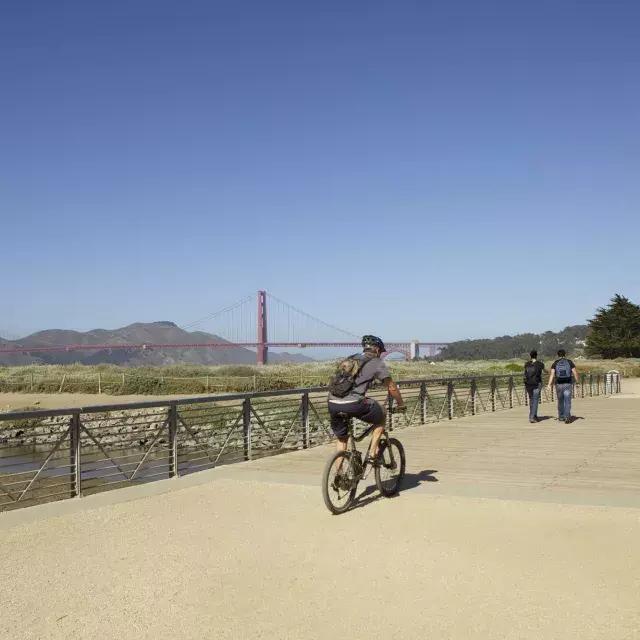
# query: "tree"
[[518, 346], [615, 330]]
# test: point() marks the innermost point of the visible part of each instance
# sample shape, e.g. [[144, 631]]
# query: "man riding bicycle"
[[355, 404]]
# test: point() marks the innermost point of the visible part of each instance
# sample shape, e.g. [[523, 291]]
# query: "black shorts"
[[367, 410]]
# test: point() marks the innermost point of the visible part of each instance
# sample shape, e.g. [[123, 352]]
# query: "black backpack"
[[344, 378], [530, 374], [563, 369]]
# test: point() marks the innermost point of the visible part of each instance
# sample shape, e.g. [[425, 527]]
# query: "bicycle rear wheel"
[[339, 482], [390, 470]]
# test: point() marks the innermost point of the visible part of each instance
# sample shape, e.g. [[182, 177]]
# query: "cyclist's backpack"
[[530, 374], [563, 369], [344, 378]]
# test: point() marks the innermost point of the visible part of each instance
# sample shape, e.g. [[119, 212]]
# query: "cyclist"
[[355, 404]]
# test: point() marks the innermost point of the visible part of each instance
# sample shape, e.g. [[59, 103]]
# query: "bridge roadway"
[[504, 530]]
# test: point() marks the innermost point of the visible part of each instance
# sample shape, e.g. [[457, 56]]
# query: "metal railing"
[[48, 455]]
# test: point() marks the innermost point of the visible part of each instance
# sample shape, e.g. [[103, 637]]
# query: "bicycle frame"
[[352, 449], [350, 468]]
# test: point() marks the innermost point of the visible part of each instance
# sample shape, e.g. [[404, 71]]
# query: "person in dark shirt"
[[533, 383], [564, 374]]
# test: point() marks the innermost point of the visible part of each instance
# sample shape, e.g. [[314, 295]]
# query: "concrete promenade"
[[504, 530]]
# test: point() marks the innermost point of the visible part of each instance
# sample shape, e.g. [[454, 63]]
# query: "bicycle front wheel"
[[339, 483], [390, 468]]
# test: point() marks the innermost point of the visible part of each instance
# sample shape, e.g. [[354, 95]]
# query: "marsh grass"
[[186, 379]]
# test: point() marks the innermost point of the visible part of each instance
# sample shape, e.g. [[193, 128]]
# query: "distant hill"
[[547, 344], [138, 333]]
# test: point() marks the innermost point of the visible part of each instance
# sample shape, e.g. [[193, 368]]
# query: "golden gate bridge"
[[254, 323]]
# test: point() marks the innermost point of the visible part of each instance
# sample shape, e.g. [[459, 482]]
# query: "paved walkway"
[[504, 530], [595, 460]]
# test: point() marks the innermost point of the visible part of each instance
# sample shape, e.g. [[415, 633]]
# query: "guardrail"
[[48, 455]]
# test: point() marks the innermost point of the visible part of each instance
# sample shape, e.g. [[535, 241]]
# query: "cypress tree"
[[615, 330]]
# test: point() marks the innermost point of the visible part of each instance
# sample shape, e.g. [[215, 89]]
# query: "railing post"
[[389, 412], [75, 459], [591, 385], [423, 402], [173, 441], [598, 385], [493, 393], [617, 383], [450, 399], [553, 388], [510, 392], [474, 385], [304, 410], [582, 385], [246, 428]]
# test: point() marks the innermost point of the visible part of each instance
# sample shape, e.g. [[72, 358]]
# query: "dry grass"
[[187, 379]]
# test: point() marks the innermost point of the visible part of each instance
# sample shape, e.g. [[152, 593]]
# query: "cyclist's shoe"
[[373, 461]]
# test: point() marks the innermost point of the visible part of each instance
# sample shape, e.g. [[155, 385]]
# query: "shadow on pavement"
[[413, 480], [410, 481]]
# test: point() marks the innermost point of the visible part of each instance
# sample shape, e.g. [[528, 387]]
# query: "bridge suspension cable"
[[294, 324], [287, 323], [218, 313]]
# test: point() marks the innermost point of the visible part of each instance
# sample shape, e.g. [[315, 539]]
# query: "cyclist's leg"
[[374, 414], [375, 439], [339, 426]]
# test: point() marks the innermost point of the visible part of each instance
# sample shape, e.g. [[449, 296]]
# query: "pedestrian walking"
[[533, 369], [564, 374]]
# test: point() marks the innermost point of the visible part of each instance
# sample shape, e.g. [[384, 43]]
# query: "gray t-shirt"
[[374, 369]]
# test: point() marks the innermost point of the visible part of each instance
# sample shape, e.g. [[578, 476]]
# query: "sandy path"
[[16, 401], [235, 559]]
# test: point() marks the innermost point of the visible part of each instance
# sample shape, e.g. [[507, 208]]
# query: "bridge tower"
[[414, 350], [262, 328]]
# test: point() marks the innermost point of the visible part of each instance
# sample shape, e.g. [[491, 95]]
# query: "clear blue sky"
[[432, 169]]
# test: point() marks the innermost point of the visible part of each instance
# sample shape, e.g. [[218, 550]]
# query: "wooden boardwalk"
[[594, 460]]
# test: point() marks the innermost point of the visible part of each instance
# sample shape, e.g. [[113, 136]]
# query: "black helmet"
[[373, 341]]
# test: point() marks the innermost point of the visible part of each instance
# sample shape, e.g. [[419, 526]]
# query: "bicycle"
[[345, 469]]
